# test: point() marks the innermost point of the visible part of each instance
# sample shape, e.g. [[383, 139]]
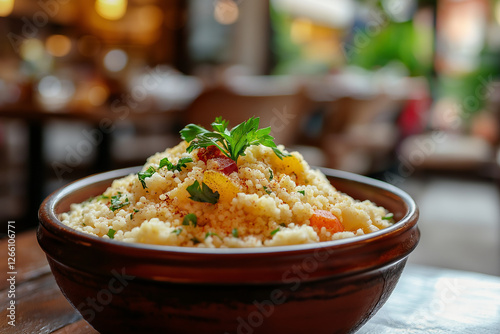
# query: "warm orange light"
[[97, 95], [149, 17], [6, 7], [226, 12], [301, 30], [111, 9], [58, 45]]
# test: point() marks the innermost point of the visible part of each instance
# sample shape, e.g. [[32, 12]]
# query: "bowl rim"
[[48, 218]]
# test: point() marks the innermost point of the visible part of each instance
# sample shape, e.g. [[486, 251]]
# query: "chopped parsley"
[[235, 233], [83, 224], [190, 219], [266, 189], [210, 234], [100, 197], [116, 203], [232, 143], [163, 162], [195, 240], [177, 231], [170, 166], [203, 193], [143, 175], [111, 233], [271, 175], [275, 231], [132, 214], [389, 216], [303, 192]]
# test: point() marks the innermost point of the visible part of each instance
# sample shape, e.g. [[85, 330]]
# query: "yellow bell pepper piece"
[[289, 165], [221, 183]]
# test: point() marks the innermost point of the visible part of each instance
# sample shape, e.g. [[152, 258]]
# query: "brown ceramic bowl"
[[327, 287]]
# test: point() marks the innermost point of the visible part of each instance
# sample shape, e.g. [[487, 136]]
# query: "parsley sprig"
[[232, 143], [203, 193]]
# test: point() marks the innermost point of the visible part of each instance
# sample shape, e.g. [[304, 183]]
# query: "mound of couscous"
[[198, 194]]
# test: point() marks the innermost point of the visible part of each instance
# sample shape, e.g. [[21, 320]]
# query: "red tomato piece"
[[226, 165]]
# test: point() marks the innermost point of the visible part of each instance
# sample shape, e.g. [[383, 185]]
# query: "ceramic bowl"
[[327, 287]]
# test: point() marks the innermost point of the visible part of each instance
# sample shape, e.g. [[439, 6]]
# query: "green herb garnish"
[[143, 175], [111, 233], [210, 234], [275, 231], [100, 197], [235, 232], [83, 224], [177, 231], [267, 190], [283, 225], [163, 162], [232, 143], [303, 192], [388, 217], [116, 203], [190, 218], [203, 193], [180, 164], [195, 240], [271, 175], [132, 214]]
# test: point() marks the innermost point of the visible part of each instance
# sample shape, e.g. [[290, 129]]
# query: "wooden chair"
[[360, 134], [284, 111]]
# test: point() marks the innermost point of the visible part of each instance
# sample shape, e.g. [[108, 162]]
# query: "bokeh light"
[[32, 49], [115, 60], [111, 9], [226, 12], [98, 95], [149, 17], [54, 93], [6, 7], [301, 30], [49, 86], [58, 45]]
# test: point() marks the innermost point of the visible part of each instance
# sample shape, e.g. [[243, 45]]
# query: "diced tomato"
[[324, 218], [225, 165], [209, 152]]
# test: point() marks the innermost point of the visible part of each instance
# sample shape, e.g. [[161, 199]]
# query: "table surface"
[[426, 300]]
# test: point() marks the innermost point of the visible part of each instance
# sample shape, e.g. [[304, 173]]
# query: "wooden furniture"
[[284, 111], [103, 122]]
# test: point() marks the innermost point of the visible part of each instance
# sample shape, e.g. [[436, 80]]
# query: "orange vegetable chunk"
[[324, 218]]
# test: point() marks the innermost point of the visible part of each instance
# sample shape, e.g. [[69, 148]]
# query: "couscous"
[[225, 188]]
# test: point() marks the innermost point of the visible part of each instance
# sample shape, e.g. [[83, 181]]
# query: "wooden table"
[[426, 300], [102, 120]]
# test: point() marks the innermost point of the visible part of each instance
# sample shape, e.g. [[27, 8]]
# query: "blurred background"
[[404, 91]]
